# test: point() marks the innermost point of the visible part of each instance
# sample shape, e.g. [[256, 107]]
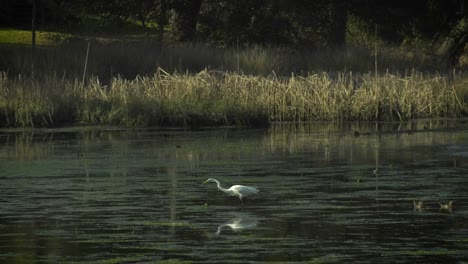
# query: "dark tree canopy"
[[269, 22]]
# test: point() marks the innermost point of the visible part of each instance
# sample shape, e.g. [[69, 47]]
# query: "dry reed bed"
[[221, 98]]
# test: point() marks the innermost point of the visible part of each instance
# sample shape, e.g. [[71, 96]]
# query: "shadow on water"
[[328, 193]]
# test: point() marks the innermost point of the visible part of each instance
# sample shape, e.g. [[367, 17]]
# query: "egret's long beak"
[[205, 182]]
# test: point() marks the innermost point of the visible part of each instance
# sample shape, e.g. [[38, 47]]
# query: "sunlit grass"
[[18, 36]]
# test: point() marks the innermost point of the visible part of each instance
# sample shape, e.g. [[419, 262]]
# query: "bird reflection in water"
[[240, 222]]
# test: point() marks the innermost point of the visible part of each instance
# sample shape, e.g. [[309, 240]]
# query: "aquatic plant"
[[214, 98]]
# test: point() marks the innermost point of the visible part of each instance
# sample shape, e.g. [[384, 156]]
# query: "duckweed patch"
[[118, 260], [174, 261], [169, 224], [430, 252]]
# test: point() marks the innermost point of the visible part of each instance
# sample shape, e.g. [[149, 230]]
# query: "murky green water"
[[327, 195]]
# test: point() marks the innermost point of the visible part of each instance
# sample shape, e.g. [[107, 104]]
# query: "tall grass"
[[202, 85], [129, 59], [223, 98]]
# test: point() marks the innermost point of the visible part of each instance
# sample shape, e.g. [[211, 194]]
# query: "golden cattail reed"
[[224, 98]]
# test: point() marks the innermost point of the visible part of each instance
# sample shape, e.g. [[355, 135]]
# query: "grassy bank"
[[221, 98], [200, 85]]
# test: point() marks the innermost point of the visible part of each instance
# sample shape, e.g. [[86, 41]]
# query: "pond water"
[[328, 193]]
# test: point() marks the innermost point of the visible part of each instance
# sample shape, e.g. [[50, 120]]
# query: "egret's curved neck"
[[219, 186]]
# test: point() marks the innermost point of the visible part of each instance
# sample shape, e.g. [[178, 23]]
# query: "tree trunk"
[[162, 21], [339, 19], [33, 35], [33, 25], [186, 19], [454, 43]]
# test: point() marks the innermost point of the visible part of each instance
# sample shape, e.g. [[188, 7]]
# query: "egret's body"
[[240, 191]]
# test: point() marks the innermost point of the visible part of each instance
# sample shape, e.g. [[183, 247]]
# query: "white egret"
[[240, 191]]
